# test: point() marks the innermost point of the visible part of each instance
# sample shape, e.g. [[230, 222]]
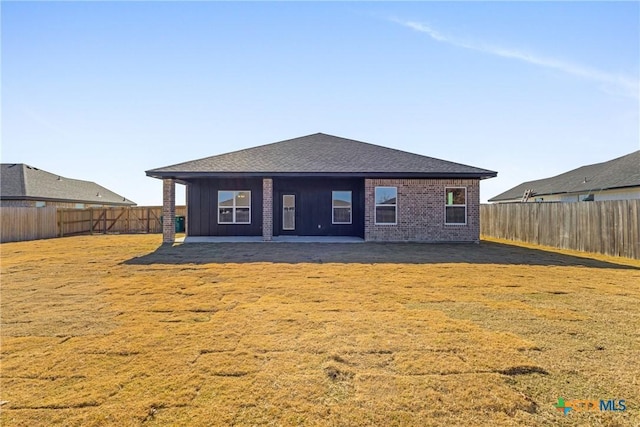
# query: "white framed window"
[[455, 205], [386, 210], [234, 207], [40, 204], [341, 207]]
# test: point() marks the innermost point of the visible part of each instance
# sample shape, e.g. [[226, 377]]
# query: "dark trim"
[[371, 175]]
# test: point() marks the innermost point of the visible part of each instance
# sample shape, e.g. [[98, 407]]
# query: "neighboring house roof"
[[23, 182], [622, 172], [320, 155]]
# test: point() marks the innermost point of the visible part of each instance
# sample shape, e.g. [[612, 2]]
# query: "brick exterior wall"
[[18, 203], [168, 210], [267, 209], [421, 211]]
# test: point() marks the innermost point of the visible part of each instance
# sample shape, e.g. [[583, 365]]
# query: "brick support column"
[[168, 210], [369, 209], [267, 209]]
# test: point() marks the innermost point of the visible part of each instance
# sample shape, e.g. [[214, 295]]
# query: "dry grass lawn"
[[118, 330]]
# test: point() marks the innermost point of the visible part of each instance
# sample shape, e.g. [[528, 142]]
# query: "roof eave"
[[555, 193], [53, 199], [194, 175]]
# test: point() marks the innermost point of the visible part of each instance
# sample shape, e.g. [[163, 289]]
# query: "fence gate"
[[27, 223]]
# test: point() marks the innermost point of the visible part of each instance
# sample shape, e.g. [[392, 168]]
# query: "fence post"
[[60, 225]]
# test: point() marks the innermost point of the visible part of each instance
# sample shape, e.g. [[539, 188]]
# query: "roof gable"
[[21, 181], [319, 154], [620, 172]]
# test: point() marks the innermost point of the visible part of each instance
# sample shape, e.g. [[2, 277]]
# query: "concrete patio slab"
[[276, 239]]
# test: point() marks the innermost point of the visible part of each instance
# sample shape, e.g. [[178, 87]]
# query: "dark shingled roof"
[[321, 155], [23, 182], [617, 173]]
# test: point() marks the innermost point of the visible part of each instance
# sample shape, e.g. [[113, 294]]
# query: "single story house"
[[617, 179], [323, 185], [26, 186]]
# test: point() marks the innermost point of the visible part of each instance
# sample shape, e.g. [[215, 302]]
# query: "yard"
[[118, 330]]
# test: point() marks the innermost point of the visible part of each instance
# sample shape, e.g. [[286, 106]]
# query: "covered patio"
[[275, 239]]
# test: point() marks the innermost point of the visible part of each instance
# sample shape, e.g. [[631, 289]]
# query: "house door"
[[289, 212]]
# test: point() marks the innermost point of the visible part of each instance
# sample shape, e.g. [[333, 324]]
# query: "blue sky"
[[104, 91]]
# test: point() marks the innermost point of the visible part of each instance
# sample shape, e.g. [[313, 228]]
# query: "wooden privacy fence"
[[607, 227], [17, 224], [20, 224]]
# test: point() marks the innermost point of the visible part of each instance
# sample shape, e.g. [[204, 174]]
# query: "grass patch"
[[120, 330]]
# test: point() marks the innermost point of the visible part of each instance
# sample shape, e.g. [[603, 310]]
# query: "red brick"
[[421, 210]]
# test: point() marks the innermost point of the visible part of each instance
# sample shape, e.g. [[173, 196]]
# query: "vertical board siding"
[[313, 210], [606, 227], [20, 224], [203, 199]]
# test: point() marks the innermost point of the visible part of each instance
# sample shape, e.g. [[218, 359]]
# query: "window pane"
[[342, 215], [289, 218], [243, 198], [386, 195], [225, 215], [289, 201], [225, 198], [385, 214], [341, 199], [242, 215], [455, 215], [455, 196]]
